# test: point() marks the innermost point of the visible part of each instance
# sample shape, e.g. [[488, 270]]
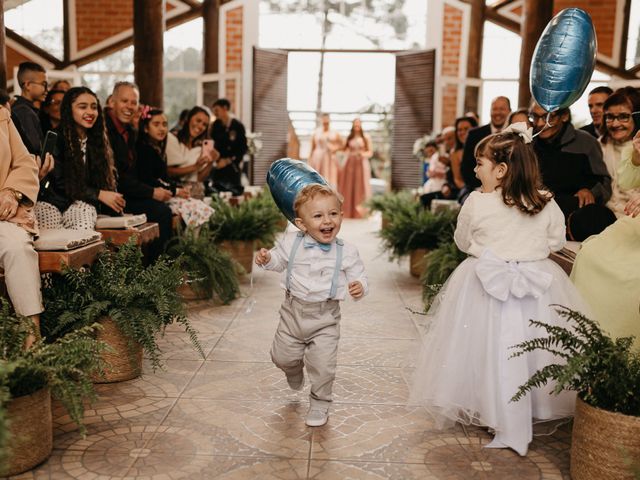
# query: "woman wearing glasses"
[[619, 130]]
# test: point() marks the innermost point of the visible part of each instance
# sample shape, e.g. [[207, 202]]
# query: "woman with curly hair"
[[83, 179]]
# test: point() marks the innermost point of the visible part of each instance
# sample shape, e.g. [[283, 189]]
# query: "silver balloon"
[[285, 178], [563, 60]]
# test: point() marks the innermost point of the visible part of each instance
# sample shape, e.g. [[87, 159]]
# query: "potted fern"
[[29, 377], [440, 263], [236, 229], [415, 231], [134, 304], [388, 203], [208, 270], [605, 373]]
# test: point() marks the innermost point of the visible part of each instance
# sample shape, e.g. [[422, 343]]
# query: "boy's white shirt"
[[313, 269]]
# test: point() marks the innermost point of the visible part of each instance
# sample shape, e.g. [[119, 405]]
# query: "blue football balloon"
[[563, 60], [285, 178]]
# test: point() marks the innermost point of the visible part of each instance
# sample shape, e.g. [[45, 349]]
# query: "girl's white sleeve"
[[557, 230], [462, 235]]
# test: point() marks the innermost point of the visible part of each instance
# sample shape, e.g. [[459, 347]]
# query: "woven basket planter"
[[30, 430], [417, 262], [385, 222], [125, 363], [603, 443], [241, 251]]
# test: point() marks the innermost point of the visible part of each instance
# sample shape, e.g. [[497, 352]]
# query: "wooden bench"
[[55, 261], [145, 233], [566, 256]]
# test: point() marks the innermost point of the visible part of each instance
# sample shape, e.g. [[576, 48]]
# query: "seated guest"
[[230, 140], [152, 165], [187, 159], [572, 168], [606, 267], [454, 181], [500, 109], [519, 116], [50, 110], [596, 99], [32, 79], [62, 85], [18, 192], [5, 99], [617, 134], [140, 197], [82, 182]]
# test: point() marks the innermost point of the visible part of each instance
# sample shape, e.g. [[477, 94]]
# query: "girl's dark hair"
[[143, 136], [99, 170], [522, 183], [353, 134], [472, 122], [628, 96], [183, 134]]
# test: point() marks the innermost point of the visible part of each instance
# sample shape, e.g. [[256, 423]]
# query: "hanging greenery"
[[142, 301], [604, 371], [64, 365]]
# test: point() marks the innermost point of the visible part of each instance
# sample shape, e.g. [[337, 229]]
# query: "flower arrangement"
[[254, 142]]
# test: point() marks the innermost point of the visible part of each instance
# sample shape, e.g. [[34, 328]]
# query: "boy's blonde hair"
[[310, 191]]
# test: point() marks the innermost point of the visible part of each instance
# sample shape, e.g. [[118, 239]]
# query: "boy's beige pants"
[[308, 334]]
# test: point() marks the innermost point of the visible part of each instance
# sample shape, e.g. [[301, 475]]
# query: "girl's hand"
[[113, 200], [585, 197], [183, 193], [46, 166], [263, 257], [632, 207], [356, 290]]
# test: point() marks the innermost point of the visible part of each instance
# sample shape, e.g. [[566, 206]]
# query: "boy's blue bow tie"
[[325, 247]]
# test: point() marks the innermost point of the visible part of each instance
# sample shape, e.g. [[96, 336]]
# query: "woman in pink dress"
[[354, 179], [324, 145]]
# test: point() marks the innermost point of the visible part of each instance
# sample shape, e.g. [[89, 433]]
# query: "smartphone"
[[636, 120], [207, 146], [49, 144]]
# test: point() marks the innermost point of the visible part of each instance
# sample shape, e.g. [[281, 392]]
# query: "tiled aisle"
[[232, 416]]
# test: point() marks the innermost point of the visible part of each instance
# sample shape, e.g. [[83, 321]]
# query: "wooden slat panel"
[[270, 114], [412, 114]]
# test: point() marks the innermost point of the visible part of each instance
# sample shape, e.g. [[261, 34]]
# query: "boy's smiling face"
[[320, 217]]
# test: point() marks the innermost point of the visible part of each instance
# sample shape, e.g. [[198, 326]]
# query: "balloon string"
[[546, 125]]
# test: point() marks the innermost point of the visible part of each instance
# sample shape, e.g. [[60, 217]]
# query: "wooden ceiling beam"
[[32, 47]]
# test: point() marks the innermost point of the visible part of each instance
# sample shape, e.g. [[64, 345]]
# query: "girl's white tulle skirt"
[[464, 372]]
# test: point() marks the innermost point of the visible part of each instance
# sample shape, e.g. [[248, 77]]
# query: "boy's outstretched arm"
[[263, 257]]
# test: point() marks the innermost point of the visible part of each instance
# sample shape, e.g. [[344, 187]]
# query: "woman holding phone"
[[190, 154], [82, 181], [152, 166]]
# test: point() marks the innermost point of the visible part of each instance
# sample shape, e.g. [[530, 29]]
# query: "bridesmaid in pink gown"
[[354, 179], [324, 145]]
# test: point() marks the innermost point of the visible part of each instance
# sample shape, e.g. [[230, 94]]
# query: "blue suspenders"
[[336, 271]]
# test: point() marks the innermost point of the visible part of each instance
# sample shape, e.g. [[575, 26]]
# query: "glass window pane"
[[40, 22]]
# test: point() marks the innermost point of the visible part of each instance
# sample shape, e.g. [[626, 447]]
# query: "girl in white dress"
[[464, 372]]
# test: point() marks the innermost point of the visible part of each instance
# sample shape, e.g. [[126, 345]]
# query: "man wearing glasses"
[[32, 79], [572, 168]]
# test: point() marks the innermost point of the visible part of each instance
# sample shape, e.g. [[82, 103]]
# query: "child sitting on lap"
[[319, 269]]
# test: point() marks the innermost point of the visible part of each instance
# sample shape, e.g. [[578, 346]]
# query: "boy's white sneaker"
[[316, 417], [296, 382]]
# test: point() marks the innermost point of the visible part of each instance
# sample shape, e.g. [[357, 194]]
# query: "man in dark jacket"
[[572, 168], [32, 79], [596, 99], [230, 140], [140, 197]]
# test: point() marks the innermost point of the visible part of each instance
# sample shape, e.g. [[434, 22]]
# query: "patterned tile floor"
[[232, 416]]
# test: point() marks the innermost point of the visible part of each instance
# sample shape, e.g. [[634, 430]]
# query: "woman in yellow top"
[[607, 268]]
